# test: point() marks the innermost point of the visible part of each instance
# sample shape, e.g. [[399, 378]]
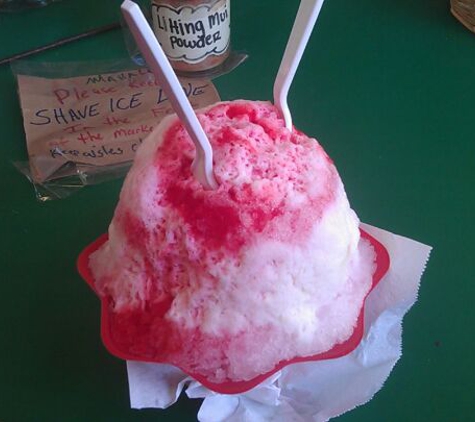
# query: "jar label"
[[192, 33]]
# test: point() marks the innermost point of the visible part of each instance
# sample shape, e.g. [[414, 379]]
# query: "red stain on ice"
[[135, 231], [215, 225], [144, 332], [225, 136], [242, 111]]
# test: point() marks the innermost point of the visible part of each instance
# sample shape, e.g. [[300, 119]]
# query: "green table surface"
[[388, 88]]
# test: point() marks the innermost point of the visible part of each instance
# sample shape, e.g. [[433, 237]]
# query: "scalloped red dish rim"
[[236, 387]]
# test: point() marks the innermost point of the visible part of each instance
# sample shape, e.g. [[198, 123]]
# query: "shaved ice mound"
[[227, 283]]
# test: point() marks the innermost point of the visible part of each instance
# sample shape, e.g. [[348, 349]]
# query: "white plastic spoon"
[[202, 166], [304, 22]]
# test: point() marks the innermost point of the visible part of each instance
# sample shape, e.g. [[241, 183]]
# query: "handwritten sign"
[[97, 120]]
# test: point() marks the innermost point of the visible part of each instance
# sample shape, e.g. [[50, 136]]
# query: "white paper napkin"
[[309, 391]]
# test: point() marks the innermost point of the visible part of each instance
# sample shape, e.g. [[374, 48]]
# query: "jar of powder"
[[194, 34]]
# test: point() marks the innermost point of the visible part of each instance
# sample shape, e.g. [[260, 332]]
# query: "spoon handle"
[[161, 68], [304, 22]]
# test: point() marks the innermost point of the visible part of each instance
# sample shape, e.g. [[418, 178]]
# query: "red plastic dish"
[[233, 387]]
